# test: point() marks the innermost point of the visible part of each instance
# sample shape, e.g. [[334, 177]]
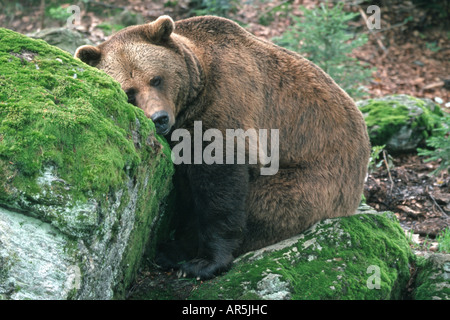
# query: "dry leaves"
[[420, 201]]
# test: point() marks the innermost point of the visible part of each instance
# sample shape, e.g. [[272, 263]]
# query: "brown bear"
[[209, 69]]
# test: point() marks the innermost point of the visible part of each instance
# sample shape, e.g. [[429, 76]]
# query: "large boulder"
[[400, 122], [83, 177], [63, 38], [361, 257]]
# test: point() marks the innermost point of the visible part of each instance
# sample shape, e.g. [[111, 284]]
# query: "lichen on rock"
[[81, 164]]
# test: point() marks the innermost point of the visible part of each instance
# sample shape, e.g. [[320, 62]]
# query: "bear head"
[[155, 67]]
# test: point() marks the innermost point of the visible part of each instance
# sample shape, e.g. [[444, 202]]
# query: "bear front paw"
[[202, 269], [171, 255]]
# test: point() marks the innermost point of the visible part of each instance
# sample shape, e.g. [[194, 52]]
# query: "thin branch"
[[437, 205], [390, 27], [380, 44], [389, 171]]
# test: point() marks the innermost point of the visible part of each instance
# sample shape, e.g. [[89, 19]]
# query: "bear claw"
[[202, 269]]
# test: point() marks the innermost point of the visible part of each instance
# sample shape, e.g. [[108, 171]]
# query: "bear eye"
[[131, 94], [156, 81]]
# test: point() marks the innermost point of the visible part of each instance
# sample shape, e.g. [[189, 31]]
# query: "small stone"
[[434, 246], [438, 100]]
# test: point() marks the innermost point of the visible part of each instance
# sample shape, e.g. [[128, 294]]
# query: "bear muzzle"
[[161, 120]]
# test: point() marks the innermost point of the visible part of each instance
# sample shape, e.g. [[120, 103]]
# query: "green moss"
[[50, 116], [433, 278], [148, 213], [386, 116], [58, 112], [330, 262]]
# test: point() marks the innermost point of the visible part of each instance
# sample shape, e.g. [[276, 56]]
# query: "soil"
[[404, 185]]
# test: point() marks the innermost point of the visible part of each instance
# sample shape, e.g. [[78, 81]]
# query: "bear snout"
[[161, 121]]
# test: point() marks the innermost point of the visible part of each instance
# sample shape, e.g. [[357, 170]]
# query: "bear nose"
[[161, 121]]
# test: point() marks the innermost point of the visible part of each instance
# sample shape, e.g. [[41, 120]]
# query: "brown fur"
[[216, 72]]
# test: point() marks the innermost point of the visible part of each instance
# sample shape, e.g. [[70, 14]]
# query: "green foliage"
[[433, 46], [171, 4], [431, 281], [213, 7], [439, 144], [58, 13], [444, 241], [375, 156], [109, 28], [281, 9], [322, 35]]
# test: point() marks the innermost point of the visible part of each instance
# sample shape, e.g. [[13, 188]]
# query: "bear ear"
[[160, 30], [88, 54]]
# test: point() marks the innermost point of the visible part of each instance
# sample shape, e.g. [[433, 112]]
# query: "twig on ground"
[[390, 27], [380, 44], [437, 205], [389, 171]]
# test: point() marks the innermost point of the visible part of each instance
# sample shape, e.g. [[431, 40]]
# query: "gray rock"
[[36, 264], [271, 287], [63, 38]]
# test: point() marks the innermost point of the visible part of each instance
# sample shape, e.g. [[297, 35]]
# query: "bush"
[[322, 36], [58, 13], [439, 145]]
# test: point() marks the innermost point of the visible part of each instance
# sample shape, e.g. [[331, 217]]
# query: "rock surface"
[[63, 38], [433, 277], [83, 178], [400, 122], [362, 257], [365, 256]]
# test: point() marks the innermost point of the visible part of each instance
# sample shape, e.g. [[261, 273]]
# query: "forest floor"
[[411, 55]]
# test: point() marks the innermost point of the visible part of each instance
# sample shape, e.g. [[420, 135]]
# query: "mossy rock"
[[364, 256], [400, 122], [433, 277], [63, 38], [83, 177]]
